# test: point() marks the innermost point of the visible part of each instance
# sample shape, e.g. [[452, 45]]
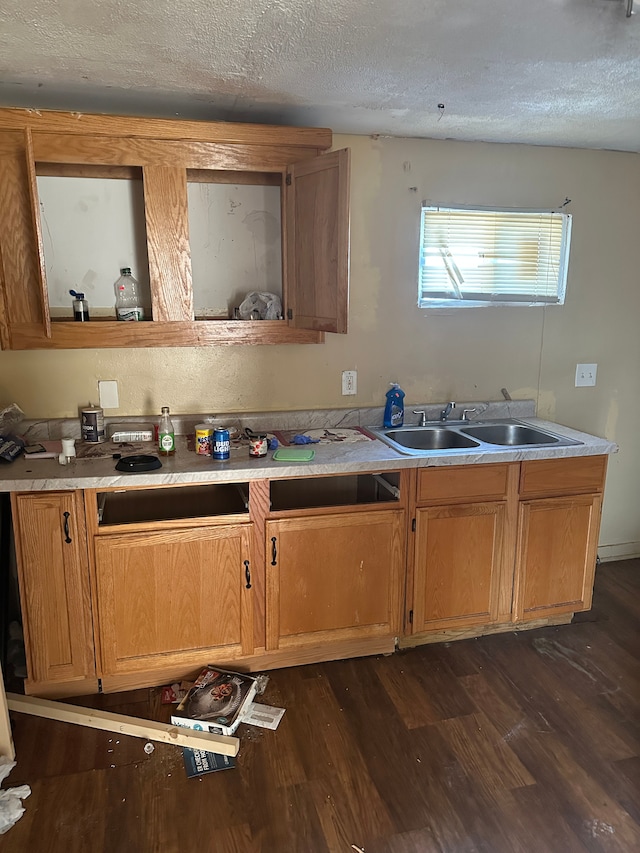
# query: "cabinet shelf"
[[142, 506], [339, 491]]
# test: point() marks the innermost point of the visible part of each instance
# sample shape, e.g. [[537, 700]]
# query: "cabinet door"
[[54, 587], [165, 596], [334, 577], [317, 242], [557, 543], [22, 306], [459, 554]]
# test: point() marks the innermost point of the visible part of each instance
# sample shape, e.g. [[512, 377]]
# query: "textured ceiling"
[[547, 72]]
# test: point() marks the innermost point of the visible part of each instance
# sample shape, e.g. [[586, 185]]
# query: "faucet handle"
[[423, 416]]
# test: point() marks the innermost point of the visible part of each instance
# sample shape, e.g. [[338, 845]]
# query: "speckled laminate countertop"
[[186, 466]]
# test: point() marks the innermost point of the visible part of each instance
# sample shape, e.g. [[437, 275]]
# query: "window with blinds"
[[492, 257]]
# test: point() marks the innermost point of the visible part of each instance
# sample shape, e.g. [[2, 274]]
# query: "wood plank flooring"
[[512, 743]]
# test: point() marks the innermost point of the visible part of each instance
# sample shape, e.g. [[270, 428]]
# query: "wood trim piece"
[[109, 333], [446, 636], [114, 125], [184, 153], [258, 510], [122, 724], [7, 747], [167, 220], [37, 230], [262, 659]]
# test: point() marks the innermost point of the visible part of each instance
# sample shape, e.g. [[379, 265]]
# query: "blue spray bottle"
[[394, 407]]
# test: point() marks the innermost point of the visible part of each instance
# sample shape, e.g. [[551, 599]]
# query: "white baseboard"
[[625, 551]]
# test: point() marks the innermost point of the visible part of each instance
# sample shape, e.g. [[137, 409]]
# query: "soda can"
[[221, 443]]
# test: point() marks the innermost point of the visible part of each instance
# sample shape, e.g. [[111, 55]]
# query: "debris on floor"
[[11, 808], [173, 694], [217, 702]]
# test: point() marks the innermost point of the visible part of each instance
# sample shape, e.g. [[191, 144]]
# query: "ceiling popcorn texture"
[[549, 72]]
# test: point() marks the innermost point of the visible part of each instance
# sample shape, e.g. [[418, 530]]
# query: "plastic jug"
[[394, 407]]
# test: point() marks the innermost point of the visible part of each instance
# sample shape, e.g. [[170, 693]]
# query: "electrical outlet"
[[108, 392], [349, 382], [586, 374]]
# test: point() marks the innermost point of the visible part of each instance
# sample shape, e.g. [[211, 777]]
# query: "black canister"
[[92, 424]]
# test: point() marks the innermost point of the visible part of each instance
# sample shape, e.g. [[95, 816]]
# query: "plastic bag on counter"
[[10, 417], [10, 448], [260, 306]]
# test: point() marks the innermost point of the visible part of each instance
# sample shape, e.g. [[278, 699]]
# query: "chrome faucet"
[[444, 414], [423, 416]]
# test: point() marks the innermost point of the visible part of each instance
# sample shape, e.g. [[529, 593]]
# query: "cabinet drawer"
[[438, 485], [563, 476]]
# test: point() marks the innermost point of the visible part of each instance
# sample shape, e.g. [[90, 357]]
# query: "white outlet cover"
[[108, 392], [586, 374], [349, 382]]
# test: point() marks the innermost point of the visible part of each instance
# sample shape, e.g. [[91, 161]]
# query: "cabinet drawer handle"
[[274, 551], [247, 574], [67, 538]]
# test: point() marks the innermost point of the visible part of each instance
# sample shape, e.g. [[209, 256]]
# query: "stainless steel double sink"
[[465, 436]]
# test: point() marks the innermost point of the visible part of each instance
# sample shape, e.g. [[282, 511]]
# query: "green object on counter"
[[294, 454]]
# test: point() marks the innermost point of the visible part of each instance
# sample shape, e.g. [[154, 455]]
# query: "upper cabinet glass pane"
[[91, 227], [235, 235]]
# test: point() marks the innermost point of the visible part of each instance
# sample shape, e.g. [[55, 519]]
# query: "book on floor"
[[197, 761], [216, 702]]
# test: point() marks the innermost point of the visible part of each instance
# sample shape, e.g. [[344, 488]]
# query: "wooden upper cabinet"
[[163, 157], [317, 239]]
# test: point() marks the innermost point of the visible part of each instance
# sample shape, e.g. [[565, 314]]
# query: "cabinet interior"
[[349, 490], [93, 223], [183, 502]]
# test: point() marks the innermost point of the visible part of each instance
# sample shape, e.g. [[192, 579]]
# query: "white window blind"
[[480, 257]]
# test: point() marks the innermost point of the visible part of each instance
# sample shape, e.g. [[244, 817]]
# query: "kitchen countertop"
[[186, 466]]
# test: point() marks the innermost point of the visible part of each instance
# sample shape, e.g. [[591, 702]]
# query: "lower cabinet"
[[167, 596], [458, 558], [558, 537], [334, 577], [53, 575], [504, 544], [131, 585], [462, 554]]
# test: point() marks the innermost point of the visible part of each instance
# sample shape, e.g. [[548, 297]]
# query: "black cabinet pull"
[[247, 574], [67, 538], [274, 551]]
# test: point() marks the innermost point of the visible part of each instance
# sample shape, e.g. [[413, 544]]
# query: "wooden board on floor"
[[121, 724]]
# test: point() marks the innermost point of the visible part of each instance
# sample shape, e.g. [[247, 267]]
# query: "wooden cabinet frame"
[[53, 575], [315, 224]]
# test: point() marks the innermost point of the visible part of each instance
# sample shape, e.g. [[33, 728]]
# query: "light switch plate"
[[586, 374], [108, 391]]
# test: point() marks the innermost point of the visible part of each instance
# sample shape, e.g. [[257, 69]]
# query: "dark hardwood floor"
[[513, 743]]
